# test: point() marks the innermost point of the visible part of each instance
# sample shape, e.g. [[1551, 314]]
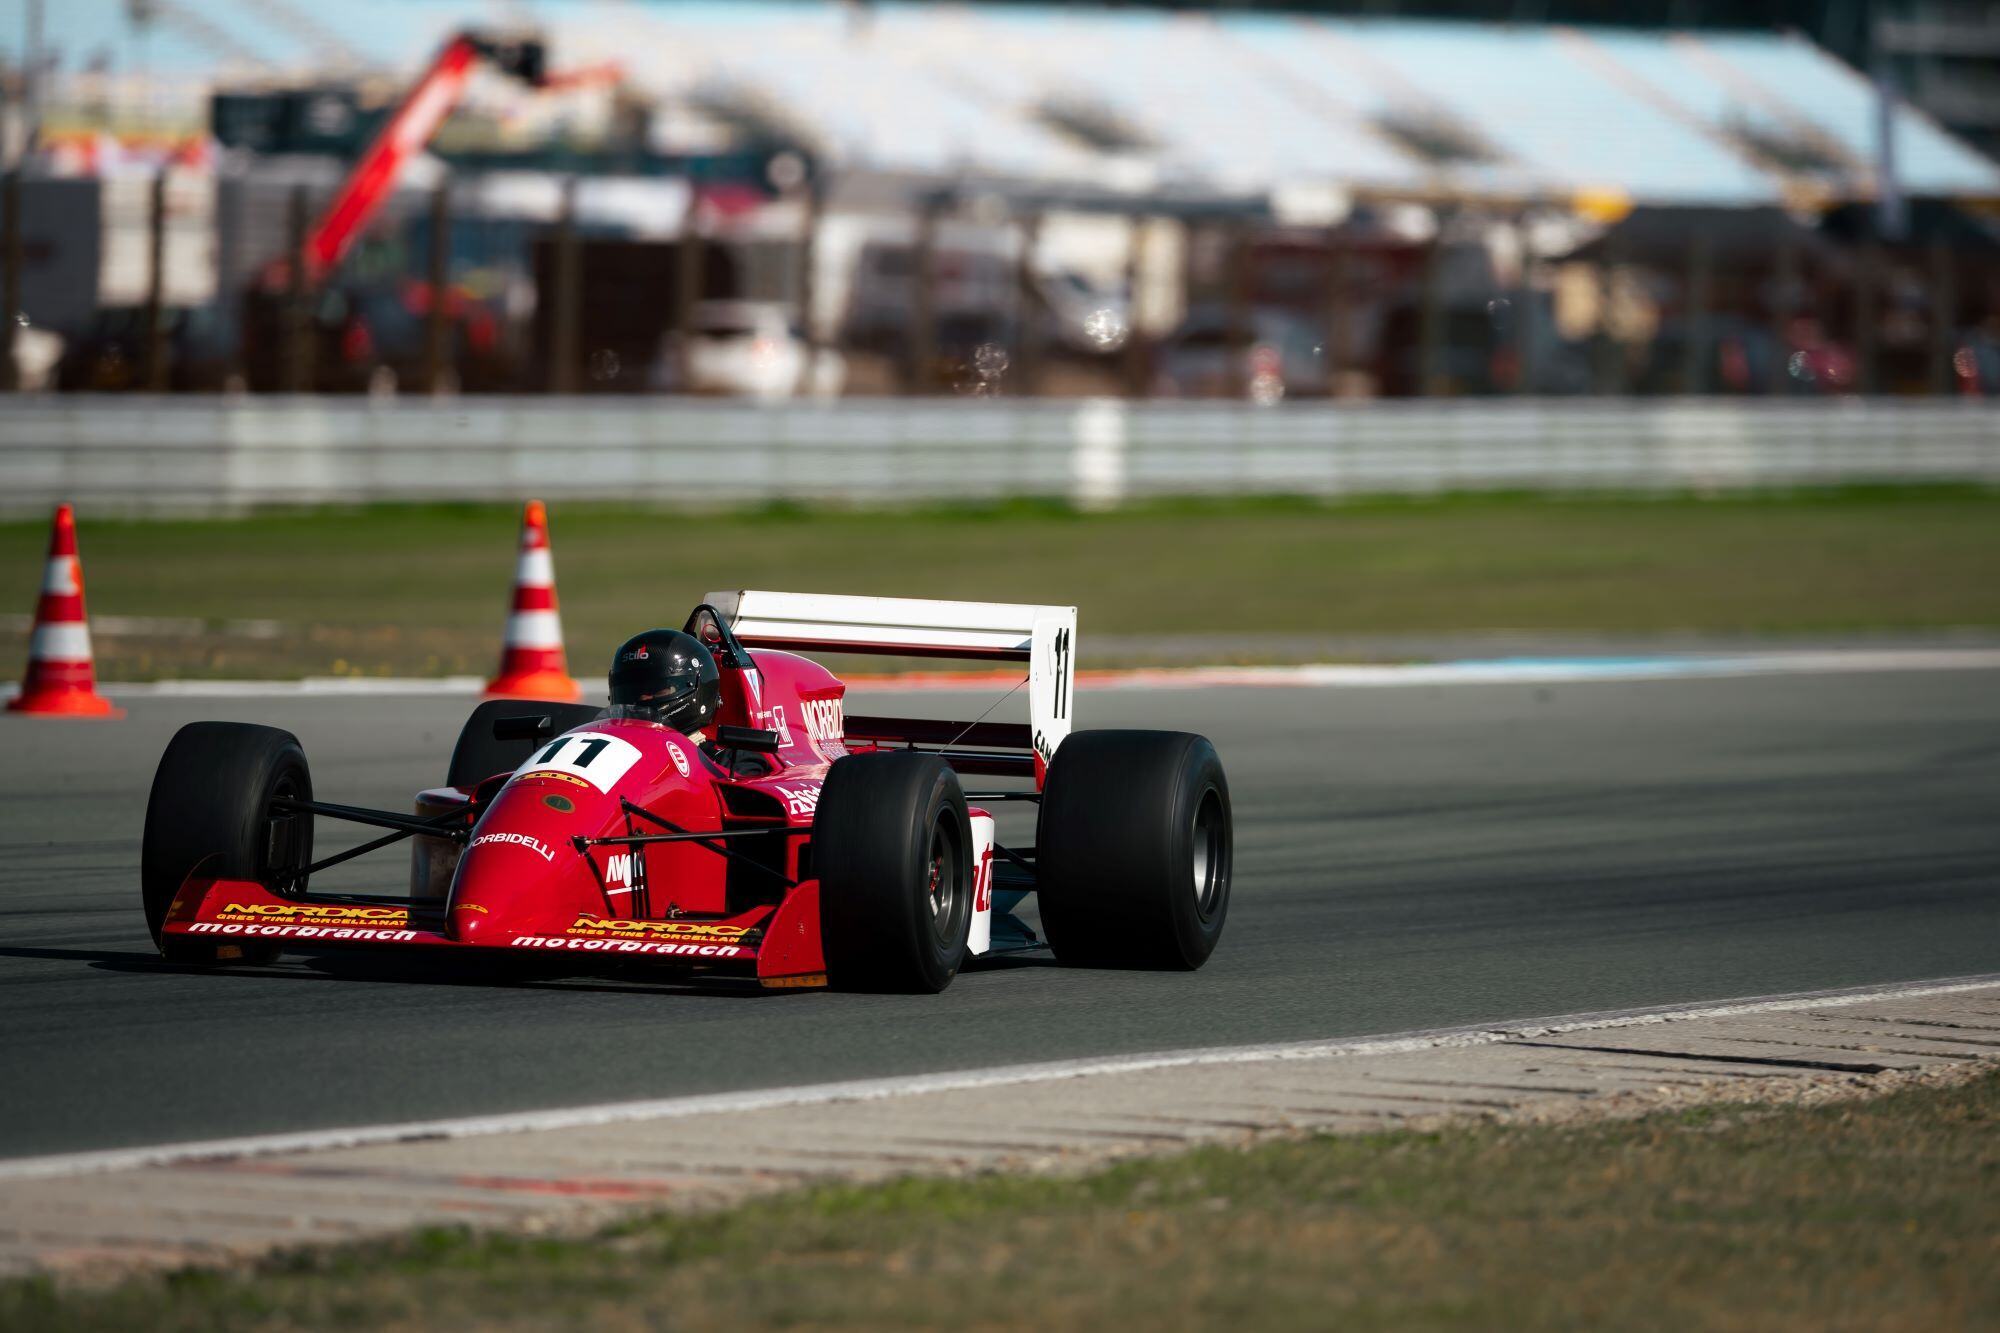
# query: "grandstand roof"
[[1145, 101]]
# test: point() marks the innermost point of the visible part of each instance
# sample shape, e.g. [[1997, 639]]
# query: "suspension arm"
[[437, 827], [706, 841]]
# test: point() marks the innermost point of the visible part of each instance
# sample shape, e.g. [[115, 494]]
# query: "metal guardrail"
[[217, 455]]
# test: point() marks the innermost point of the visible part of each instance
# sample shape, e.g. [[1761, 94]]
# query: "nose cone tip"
[[469, 925]]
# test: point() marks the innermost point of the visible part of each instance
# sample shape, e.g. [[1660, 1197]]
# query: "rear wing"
[[1042, 636]]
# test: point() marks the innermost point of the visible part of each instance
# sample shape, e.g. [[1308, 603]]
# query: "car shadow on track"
[[505, 974], [150, 962], [524, 974]]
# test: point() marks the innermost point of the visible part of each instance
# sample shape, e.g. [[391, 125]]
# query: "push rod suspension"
[[375, 846]]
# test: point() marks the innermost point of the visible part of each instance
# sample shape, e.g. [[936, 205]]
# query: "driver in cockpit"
[[666, 676]]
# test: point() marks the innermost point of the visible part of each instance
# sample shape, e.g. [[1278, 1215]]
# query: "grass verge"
[[423, 590], [1879, 1214]]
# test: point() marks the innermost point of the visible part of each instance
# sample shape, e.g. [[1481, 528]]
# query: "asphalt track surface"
[[1406, 858]]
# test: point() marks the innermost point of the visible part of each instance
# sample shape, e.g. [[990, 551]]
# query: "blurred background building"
[[801, 198]]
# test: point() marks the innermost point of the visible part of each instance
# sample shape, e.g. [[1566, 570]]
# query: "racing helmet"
[[665, 676]]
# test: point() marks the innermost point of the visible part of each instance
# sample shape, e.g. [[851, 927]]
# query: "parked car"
[[37, 353], [1079, 316], [1745, 356], [747, 348], [1742, 358], [396, 320], [374, 336], [971, 277], [1205, 358], [1975, 364], [110, 355], [977, 300], [1480, 352], [341, 357]]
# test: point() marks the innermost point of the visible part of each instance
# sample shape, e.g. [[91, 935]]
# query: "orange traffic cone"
[[61, 679], [532, 665]]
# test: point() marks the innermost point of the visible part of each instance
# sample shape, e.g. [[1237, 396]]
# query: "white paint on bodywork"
[[980, 940], [596, 757], [1052, 679]]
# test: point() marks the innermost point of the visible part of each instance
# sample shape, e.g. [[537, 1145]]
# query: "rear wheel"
[[892, 847], [211, 809], [1133, 849], [478, 756]]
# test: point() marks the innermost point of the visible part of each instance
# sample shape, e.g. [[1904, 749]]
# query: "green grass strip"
[[423, 590]]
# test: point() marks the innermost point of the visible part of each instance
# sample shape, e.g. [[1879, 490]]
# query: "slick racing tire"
[[893, 851], [478, 756], [1132, 850], [211, 803]]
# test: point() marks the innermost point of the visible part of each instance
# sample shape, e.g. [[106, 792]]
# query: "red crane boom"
[[433, 97]]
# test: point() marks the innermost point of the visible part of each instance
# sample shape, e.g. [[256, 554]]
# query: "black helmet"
[[665, 676]]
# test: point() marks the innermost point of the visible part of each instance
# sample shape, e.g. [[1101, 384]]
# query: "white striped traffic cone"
[[61, 679], [532, 664]]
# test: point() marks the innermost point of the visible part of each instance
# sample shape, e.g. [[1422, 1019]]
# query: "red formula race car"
[[727, 813]]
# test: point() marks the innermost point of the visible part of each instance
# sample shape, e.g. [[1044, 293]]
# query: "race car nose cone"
[[471, 923]]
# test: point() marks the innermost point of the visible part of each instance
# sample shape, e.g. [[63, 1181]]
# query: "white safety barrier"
[[219, 455]]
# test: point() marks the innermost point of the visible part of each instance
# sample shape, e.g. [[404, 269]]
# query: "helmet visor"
[[653, 707]]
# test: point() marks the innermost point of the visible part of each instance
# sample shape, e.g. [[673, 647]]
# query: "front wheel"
[[1133, 849], [211, 803], [892, 847]]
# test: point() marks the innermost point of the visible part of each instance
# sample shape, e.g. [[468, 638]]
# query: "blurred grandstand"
[[815, 198]]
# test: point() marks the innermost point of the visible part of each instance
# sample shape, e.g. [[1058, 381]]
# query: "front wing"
[[779, 945]]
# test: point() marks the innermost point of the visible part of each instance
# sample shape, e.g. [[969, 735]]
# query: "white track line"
[[1324, 675], [875, 1089]]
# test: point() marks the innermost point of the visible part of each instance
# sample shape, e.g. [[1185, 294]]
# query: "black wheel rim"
[[1211, 855], [944, 889]]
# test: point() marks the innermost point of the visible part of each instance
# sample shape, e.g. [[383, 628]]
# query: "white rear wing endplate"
[[1042, 636]]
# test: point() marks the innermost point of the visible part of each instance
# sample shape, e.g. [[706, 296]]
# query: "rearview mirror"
[[523, 727], [754, 739]]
